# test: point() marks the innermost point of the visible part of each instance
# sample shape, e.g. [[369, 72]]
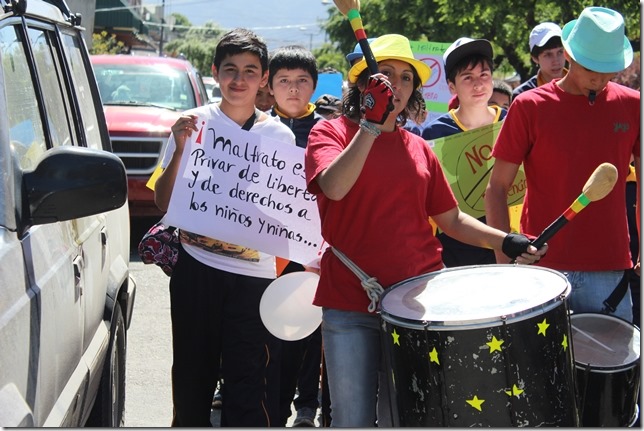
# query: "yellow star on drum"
[[495, 344], [542, 327], [433, 356], [515, 391], [564, 343], [395, 336], [476, 403]]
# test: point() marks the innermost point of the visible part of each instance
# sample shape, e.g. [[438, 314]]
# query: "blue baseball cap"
[[357, 52]]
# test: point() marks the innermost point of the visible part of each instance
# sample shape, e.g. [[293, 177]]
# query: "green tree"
[[197, 44], [180, 23], [105, 43], [506, 24], [330, 57]]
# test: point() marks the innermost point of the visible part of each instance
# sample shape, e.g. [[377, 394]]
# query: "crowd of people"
[[377, 183]]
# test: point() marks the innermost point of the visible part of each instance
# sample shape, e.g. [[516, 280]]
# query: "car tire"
[[109, 407]]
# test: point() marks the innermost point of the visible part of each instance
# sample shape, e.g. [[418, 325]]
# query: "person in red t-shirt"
[[561, 132], [376, 186]]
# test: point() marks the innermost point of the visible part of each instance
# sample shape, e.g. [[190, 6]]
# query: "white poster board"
[[246, 189]]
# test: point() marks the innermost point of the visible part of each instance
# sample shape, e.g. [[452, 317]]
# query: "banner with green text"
[[467, 162]]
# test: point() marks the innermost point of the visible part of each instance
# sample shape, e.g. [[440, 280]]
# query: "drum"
[[480, 346], [606, 351]]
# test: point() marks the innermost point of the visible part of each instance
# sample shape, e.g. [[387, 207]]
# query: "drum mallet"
[[600, 183], [351, 9]]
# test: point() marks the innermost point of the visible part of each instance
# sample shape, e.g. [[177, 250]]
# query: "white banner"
[[247, 189]]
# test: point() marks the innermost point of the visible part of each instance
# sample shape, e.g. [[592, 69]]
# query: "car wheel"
[[109, 407]]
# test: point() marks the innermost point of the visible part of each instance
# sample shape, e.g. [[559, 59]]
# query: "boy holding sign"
[[216, 287], [468, 70]]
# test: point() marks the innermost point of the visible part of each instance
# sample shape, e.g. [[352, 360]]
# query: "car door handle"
[[78, 275], [103, 246]]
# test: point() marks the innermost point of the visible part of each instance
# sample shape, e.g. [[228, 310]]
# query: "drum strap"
[[610, 303], [369, 284]]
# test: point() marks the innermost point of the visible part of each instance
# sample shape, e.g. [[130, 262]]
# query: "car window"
[[25, 127], [135, 84], [52, 85], [83, 90]]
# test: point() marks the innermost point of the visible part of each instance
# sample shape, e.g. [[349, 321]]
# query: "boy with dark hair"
[[468, 70], [546, 51], [216, 287], [264, 99], [292, 78], [501, 94]]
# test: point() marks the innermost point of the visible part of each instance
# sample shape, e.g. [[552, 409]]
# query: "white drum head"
[[476, 294]]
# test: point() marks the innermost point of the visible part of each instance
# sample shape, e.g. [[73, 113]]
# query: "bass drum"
[[480, 346], [607, 358]]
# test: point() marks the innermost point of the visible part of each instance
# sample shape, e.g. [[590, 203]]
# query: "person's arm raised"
[[182, 130]]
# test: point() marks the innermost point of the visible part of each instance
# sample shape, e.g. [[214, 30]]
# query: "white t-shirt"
[[218, 254]]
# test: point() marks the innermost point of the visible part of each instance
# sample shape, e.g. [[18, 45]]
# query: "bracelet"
[[369, 128]]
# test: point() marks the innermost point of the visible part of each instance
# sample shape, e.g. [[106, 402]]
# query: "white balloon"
[[287, 309]]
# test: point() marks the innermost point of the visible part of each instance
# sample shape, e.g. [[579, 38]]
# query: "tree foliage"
[[328, 56], [506, 24], [180, 23], [197, 45], [105, 43]]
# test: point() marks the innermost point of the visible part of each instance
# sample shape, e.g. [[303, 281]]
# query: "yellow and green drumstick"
[[599, 184], [351, 9]]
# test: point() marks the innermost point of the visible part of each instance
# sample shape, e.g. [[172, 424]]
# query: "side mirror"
[[73, 182]]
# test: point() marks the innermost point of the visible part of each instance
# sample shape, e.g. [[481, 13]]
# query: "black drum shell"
[[607, 393], [539, 369]]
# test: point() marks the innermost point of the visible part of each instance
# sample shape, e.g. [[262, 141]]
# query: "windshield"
[[146, 85]]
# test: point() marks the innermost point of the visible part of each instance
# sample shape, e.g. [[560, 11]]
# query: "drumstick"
[[599, 184], [591, 338], [351, 9]]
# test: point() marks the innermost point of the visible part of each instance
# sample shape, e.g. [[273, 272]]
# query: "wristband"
[[369, 128]]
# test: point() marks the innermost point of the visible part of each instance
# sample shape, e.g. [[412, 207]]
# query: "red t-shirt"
[[382, 223], [561, 139]]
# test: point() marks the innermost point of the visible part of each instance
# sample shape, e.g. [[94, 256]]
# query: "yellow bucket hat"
[[391, 47]]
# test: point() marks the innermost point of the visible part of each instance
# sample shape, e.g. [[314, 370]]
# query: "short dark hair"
[[292, 57], [502, 87], [553, 42], [469, 62], [239, 41]]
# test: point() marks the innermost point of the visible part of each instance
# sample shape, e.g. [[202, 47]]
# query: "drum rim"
[[599, 369], [486, 322], [607, 370]]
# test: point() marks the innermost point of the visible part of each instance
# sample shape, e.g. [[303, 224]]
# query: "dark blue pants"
[[300, 368]]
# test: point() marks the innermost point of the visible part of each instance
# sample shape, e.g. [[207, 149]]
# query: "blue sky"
[[279, 22]]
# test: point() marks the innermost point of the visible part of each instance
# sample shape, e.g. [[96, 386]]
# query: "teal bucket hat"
[[596, 40]]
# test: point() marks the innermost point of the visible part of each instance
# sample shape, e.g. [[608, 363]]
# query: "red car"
[[142, 98]]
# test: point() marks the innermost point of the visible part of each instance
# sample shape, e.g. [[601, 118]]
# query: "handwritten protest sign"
[[435, 90], [467, 162], [246, 189]]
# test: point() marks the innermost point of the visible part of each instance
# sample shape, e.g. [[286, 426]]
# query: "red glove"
[[377, 101]]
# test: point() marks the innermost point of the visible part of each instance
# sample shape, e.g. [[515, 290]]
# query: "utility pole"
[[162, 26], [303, 29]]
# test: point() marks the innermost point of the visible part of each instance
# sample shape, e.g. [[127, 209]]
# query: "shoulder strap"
[[610, 304], [251, 120]]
